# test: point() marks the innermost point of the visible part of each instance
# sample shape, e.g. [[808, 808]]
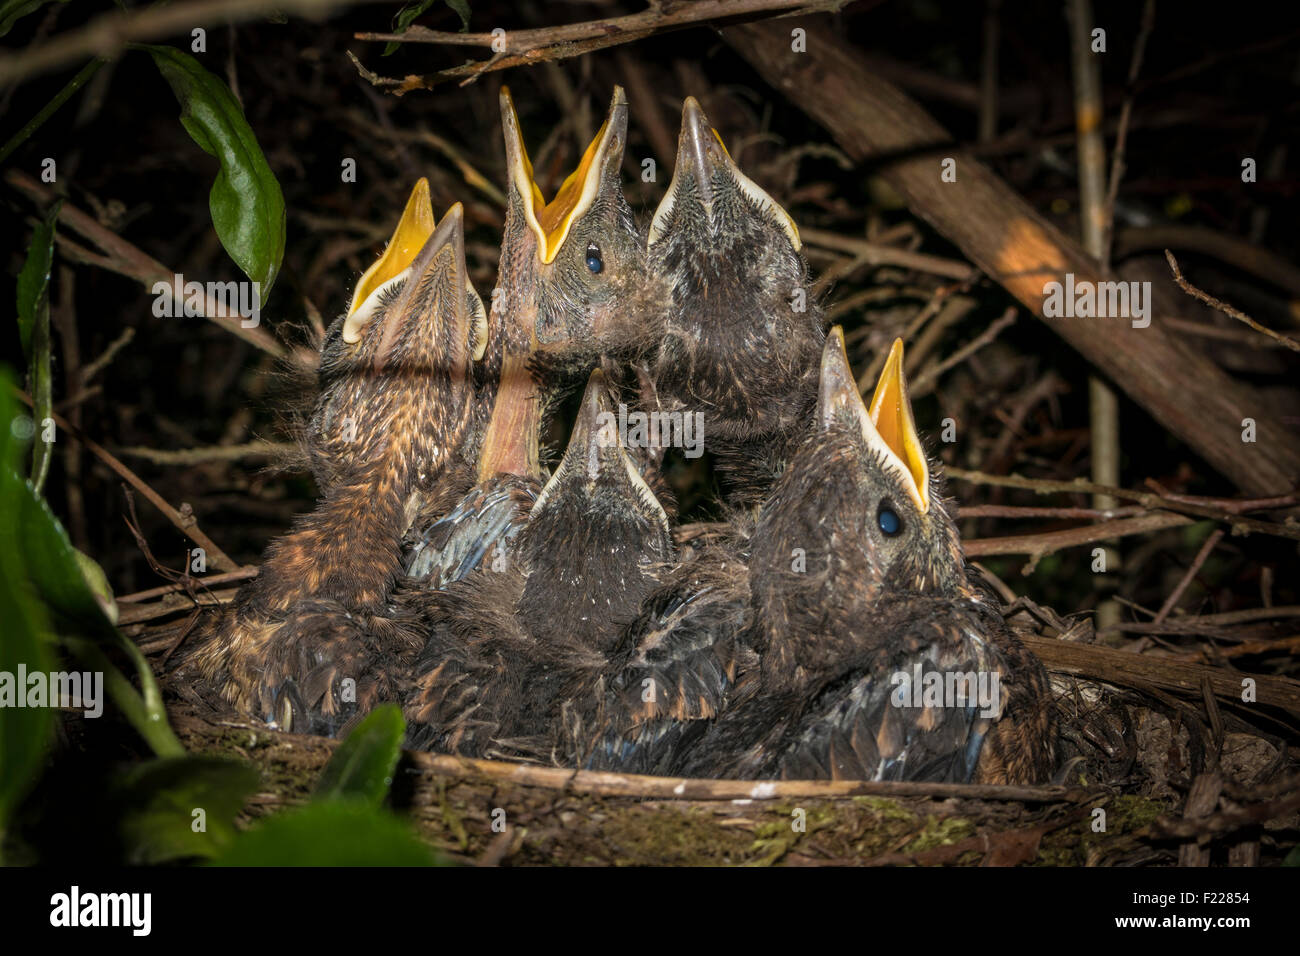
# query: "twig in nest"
[[1223, 822], [876, 253], [945, 307], [198, 456], [243, 574], [1145, 671], [1226, 309], [181, 578], [1209, 622], [1038, 546], [1227, 510]]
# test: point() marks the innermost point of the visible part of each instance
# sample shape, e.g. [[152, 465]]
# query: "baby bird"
[[569, 269], [507, 648], [297, 647], [855, 644], [881, 657], [355, 388], [742, 335]]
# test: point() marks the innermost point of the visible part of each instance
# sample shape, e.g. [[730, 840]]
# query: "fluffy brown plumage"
[[312, 630]]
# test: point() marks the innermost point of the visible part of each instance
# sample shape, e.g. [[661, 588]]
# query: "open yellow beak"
[[551, 221], [887, 427], [891, 413], [413, 231], [701, 154]]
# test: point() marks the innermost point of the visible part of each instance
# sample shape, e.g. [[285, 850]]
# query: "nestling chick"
[[881, 656], [807, 647], [299, 645], [365, 378], [507, 648], [569, 269], [743, 335]]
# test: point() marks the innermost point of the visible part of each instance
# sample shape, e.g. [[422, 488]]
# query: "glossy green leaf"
[[330, 833], [362, 767], [246, 203], [25, 635], [182, 808], [412, 11]]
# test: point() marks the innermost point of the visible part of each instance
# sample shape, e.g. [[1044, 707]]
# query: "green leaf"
[[53, 571], [97, 581], [246, 203], [143, 709], [362, 767], [159, 801], [34, 279], [34, 330], [11, 11], [46, 566], [25, 635], [412, 11], [332, 833]]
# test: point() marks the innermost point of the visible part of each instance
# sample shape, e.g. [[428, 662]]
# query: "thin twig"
[[109, 33], [925, 381], [1242, 337], [1038, 546], [110, 353], [1210, 622], [877, 254], [1021, 512], [1121, 136], [175, 604], [1226, 309], [1219, 509], [548, 44], [1174, 596], [187, 526], [198, 456], [243, 574]]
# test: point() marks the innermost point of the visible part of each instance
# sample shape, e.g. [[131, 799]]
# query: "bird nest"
[[1159, 768]]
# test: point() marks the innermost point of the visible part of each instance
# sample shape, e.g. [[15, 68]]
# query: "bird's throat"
[[510, 445]]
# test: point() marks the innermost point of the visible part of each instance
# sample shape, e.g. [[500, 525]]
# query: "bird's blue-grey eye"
[[889, 521], [594, 261]]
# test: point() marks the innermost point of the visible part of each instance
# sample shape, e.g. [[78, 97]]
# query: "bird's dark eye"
[[594, 261], [889, 521]]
